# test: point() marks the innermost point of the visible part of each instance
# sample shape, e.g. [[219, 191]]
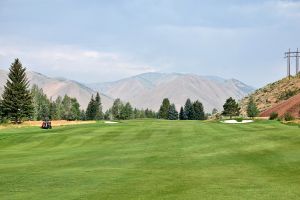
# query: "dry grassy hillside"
[[274, 93]]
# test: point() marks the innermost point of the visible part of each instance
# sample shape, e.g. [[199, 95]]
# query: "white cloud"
[[289, 8], [73, 62], [275, 8]]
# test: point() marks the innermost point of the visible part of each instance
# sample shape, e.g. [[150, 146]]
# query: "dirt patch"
[[54, 123], [291, 105]]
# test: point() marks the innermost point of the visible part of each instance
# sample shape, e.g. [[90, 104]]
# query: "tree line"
[[21, 103], [190, 111]]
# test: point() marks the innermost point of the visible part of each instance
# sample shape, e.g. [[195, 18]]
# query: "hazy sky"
[[96, 41]]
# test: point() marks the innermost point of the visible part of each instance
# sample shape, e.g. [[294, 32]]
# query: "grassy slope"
[[151, 160]]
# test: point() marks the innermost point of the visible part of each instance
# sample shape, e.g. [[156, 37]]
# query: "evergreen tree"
[[98, 108], [182, 115], [116, 109], [172, 114], [199, 111], [91, 109], [17, 100], [252, 110], [164, 109], [231, 108], [189, 110]]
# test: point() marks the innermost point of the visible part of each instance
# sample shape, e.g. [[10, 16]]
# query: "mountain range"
[[145, 90], [54, 87]]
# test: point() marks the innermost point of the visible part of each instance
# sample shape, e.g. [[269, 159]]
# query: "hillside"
[[147, 90], [277, 96], [292, 106], [54, 87]]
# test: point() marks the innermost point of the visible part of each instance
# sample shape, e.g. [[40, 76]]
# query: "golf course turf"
[[151, 159]]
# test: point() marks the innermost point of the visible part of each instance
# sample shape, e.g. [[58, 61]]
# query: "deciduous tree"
[[231, 108]]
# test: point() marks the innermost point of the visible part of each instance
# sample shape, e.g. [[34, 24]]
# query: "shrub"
[[4, 120], [288, 117], [288, 94], [239, 119], [273, 116]]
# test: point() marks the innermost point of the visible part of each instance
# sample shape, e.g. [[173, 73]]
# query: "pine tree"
[[164, 109], [231, 108], [182, 115], [98, 108], [199, 111], [91, 109], [189, 110], [172, 114], [252, 110], [17, 100]]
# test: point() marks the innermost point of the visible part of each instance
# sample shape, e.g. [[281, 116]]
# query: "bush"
[[288, 94], [288, 117], [4, 121], [273, 116], [239, 119]]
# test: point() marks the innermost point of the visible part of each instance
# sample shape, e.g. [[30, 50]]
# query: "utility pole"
[[297, 62], [292, 54], [289, 64]]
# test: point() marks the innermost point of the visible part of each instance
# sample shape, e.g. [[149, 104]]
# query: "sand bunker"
[[236, 122], [110, 122]]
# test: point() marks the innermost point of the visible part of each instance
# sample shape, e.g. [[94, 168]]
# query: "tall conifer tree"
[[17, 100], [199, 111], [182, 115], [164, 109], [98, 107], [189, 110], [252, 110], [173, 114], [90, 110]]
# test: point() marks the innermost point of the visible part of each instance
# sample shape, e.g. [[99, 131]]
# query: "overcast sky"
[[97, 41]]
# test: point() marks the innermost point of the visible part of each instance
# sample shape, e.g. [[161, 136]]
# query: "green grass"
[[151, 160]]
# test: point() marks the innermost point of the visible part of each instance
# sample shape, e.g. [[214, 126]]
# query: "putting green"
[[151, 159]]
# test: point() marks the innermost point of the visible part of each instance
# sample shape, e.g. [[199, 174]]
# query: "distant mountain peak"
[[148, 89]]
